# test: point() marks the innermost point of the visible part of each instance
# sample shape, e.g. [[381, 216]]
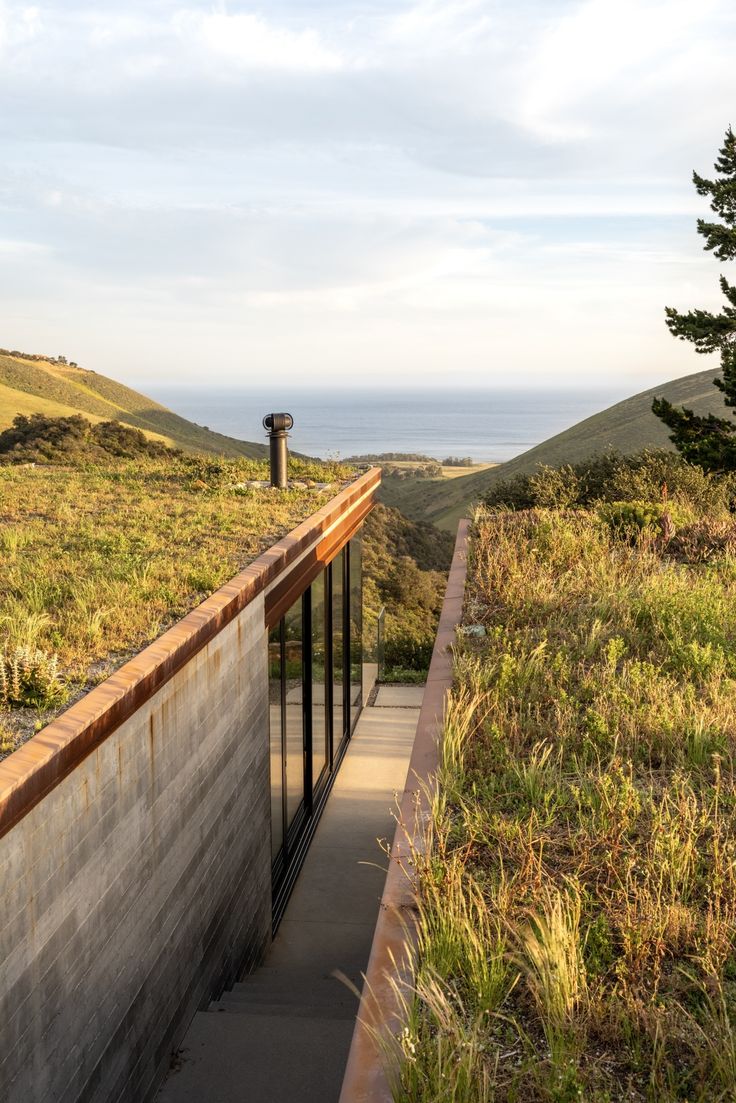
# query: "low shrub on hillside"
[[41, 439], [649, 476], [432, 470], [405, 568]]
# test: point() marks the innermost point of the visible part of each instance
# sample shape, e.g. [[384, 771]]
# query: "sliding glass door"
[[315, 687], [355, 627], [320, 728], [278, 765], [339, 725], [293, 739]]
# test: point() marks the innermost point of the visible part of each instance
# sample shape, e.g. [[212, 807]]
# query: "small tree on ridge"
[[709, 440]]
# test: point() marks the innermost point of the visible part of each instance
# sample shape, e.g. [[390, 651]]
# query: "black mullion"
[[284, 780], [346, 712], [361, 637], [329, 692]]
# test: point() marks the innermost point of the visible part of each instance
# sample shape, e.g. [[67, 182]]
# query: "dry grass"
[[578, 910], [97, 561]]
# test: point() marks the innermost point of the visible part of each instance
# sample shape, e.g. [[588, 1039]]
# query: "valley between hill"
[[626, 427]]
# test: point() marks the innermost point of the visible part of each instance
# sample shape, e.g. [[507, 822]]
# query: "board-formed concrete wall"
[[140, 885]]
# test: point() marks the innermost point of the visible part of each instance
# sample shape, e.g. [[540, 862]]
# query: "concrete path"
[[283, 1035], [401, 697]]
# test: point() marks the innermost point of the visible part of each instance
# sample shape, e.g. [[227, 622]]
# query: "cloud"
[[251, 43], [412, 182], [19, 24], [608, 56], [13, 248]]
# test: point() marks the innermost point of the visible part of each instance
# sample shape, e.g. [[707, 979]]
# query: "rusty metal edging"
[[391, 957], [282, 595], [32, 771]]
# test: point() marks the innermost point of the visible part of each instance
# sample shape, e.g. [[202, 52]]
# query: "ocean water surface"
[[485, 425]]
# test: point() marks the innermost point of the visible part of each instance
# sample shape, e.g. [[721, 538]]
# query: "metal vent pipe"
[[277, 426]]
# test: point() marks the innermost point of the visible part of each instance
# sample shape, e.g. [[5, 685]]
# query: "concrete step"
[[284, 983], [281, 1010], [260, 1059], [304, 996], [324, 995]]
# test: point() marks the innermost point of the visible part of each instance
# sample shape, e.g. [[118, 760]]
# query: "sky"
[[361, 193]]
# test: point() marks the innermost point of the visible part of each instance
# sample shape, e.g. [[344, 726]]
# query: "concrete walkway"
[[284, 1033]]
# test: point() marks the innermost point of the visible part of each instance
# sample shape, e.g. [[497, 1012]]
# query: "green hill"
[[627, 426], [44, 386]]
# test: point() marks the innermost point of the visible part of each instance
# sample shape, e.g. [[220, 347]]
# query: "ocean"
[[487, 426]]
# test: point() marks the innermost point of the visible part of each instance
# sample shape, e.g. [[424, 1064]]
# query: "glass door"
[[339, 727], [320, 726], [355, 626], [278, 764], [294, 733], [315, 688]]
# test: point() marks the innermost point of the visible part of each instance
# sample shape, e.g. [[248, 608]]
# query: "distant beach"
[[485, 426]]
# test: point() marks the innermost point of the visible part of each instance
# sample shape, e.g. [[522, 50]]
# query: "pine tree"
[[710, 441]]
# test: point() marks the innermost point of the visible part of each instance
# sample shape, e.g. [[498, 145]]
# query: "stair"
[[275, 993], [282, 1035]]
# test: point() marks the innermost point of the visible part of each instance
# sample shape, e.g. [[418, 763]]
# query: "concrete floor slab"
[[284, 1033], [407, 697]]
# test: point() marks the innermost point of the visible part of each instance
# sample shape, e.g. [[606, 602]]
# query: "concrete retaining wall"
[[141, 884], [135, 840]]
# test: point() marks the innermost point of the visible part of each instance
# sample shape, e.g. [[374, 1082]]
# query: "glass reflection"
[[274, 705], [355, 557], [320, 729], [315, 661], [338, 651], [293, 678]]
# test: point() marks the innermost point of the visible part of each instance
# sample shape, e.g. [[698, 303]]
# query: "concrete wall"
[[140, 885]]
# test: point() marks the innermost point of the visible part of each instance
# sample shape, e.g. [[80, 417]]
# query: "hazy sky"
[[407, 193]]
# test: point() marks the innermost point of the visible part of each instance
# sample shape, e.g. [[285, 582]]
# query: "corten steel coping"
[[32, 771], [394, 941]]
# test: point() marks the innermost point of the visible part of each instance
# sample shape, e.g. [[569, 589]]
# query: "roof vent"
[[277, 426]]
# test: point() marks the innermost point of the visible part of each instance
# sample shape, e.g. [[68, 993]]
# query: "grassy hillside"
[[405, 567], [627, 426], [59, 390]]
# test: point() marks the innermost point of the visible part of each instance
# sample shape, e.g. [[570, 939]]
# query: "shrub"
[[651, 475], [555, 487], [8, 741], [408, 650], [630, 520], [29, 678], [42, 439]]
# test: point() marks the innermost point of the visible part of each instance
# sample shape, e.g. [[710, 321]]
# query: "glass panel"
[[356, 625], [319, 678], [338, 651], [274, 700], [293, 669]]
